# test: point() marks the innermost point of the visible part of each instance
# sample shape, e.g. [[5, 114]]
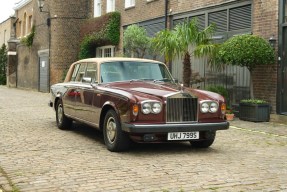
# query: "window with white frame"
[[97, 8], [105, 51], [129, 3], [110, 5]]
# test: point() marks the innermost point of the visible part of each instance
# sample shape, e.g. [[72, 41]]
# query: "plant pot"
[[229, 117], [254, 112]]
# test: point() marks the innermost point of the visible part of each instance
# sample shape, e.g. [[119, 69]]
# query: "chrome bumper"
[[165, 128]]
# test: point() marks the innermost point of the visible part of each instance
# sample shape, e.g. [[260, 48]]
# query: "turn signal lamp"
[[223, 108], [135, 110]]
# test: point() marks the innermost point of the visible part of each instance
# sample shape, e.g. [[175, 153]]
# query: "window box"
[[255, 112]]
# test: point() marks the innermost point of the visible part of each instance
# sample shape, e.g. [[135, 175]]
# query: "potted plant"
[[255, 110], [229, 115]]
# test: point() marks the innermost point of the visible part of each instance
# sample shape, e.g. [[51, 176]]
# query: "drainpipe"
[[166, 13]]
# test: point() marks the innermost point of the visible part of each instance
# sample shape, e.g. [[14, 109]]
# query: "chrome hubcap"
[[111, 129], [60, 113]]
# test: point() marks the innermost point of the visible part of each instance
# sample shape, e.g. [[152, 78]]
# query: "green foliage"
[[28, 40], [108, 35], [165, 43], [254, 101], [218, 89], [3, 64], [246, 51], [136, 40], [113, 28], [177, 42]]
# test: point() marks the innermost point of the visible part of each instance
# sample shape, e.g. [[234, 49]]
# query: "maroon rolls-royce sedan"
[[137, 100]]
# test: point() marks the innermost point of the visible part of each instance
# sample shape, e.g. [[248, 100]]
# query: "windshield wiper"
[[162, 80], [143, 79]]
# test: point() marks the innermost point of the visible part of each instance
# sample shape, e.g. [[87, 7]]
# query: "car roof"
[[108, 59]]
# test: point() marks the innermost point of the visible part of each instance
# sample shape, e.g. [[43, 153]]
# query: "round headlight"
[[156, 108], [146, 108], [213, 107], [204, 107]]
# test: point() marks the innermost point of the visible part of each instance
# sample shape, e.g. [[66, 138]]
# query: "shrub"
[[254, 101], [246, 51], [218, 89], [28, 41], [3, 64], [136, 40]]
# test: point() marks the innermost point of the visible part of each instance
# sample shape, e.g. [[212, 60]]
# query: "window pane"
[[108, 52], [126, 71], [76, 69], [81, 72], [97, 8], [110, 6], [129, 3], [92, 71]]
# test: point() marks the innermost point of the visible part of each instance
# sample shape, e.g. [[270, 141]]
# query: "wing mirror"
[[87, 80]]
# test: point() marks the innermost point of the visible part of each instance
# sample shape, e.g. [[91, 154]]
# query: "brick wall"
[[179, 6], [67, 18], [24, 20], [265, 24], [6, 30], [27, 67], [142, 11]]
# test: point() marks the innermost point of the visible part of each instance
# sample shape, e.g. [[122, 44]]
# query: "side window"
[[92, 71], [105, 51], [76, 69], [97, 8], [110, 6], [129, 3], [81, 72]]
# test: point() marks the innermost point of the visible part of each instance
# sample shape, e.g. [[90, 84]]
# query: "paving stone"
[[37, 156]]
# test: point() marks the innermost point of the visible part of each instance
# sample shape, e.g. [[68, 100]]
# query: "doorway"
[[44, 75], [284, 72]]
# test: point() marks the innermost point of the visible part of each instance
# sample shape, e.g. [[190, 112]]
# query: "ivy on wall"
[[28, 40], [101, 31]]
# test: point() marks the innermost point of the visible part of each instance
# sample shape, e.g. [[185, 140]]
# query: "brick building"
[[6, 30], [58, 37]]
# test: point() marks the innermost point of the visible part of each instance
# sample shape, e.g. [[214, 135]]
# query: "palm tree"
[[177, 42]]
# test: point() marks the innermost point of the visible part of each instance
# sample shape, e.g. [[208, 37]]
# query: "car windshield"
[[134, 71]]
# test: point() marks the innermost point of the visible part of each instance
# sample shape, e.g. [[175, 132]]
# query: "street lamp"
[[272, 41], [41, 4]]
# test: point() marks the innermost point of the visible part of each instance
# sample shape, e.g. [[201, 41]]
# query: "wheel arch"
[[56, 101], [107, 106]]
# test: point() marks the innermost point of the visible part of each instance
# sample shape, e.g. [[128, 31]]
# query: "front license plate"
[[183, 136]]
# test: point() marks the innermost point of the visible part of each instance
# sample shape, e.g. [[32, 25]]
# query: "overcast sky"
[[6, 9]]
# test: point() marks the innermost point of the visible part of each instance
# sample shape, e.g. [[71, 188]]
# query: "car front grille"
[[181, 108]]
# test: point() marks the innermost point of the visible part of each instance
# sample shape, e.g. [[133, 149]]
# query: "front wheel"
[[63, 122], [202, 144], [115, 139], [209, 137]]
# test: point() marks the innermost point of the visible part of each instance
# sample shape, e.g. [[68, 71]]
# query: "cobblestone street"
[[36, 156]]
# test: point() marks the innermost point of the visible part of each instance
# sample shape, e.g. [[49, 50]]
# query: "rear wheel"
[[63, 122], [115, 139]]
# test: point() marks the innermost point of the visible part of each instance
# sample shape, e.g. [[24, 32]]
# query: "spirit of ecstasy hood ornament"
[[181, 88]]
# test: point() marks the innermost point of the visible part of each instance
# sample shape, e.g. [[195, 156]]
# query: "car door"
[[86, 109], [71, 93]]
